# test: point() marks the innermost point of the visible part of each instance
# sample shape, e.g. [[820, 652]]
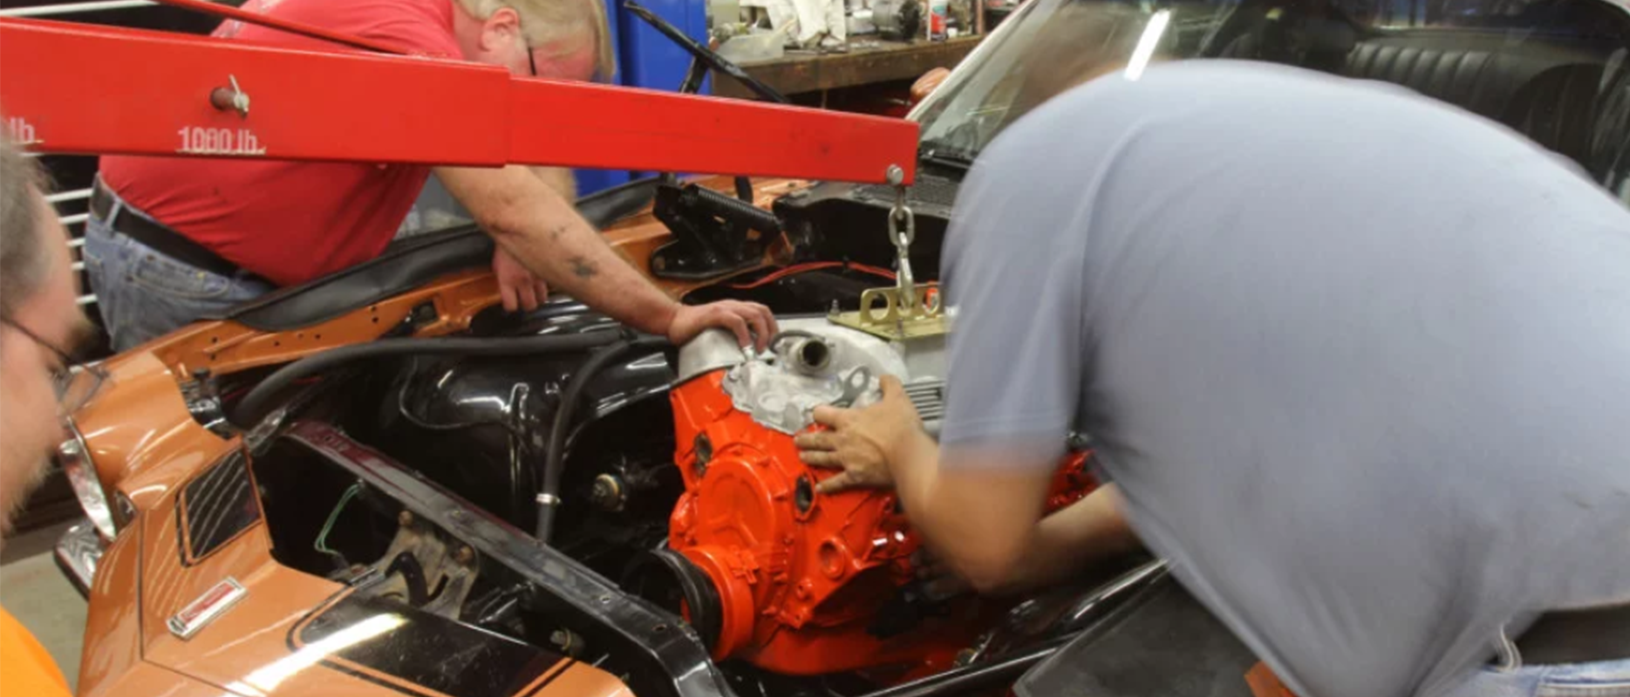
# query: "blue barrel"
[[647, 59]]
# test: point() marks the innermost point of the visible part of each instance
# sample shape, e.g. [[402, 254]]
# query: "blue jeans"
[[143, 294], [1603, 679]]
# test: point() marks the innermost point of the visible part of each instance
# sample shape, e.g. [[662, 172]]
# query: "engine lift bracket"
[[884, 315], [909, 310]]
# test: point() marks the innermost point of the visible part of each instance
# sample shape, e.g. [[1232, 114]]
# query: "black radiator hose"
[[554, 463], [256, 404]]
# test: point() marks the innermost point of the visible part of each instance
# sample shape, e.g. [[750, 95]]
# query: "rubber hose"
[[554, 463], [715, 203], [256, 404]]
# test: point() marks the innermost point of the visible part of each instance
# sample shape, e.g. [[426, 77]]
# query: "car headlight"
[[75, 459]]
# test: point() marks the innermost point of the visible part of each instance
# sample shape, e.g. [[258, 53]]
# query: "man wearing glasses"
[[40, 324], [173, 239]]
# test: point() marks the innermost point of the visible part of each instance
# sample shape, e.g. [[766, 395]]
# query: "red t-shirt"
[[290, 222]]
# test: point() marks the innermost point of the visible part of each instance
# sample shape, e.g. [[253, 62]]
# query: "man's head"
[[563, 39], [39, 320]]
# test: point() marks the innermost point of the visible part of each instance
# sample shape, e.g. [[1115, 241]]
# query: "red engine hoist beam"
[[73, 88]]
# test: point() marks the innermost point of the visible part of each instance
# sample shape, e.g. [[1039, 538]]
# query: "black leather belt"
[[160, 237], [1577, 636]]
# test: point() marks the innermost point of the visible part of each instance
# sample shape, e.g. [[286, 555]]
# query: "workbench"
[[868, 61]]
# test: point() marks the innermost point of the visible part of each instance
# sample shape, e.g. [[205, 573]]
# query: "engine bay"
[[674, 493]]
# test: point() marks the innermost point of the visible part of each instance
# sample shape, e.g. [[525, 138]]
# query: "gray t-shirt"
[[1358, 360]]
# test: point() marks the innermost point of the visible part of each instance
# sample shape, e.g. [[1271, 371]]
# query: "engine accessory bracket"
[[854, 386], [714, 234]]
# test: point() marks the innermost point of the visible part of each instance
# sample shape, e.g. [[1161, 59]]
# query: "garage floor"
[[34, 591]]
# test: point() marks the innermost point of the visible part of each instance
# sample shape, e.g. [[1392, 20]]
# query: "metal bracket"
[[909, 309], [714, 234], [883, 314]]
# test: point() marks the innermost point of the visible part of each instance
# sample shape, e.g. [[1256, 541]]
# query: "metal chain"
[[902, 237]]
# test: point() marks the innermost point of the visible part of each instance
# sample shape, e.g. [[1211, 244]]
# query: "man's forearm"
[[985, 523], [1071, 539], [544, 232], [978, 520], [913, 469], [560, 179]]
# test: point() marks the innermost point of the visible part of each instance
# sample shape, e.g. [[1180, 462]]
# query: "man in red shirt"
[[170, 240]]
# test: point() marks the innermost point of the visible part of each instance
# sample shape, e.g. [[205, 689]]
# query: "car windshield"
[[1555, 70]]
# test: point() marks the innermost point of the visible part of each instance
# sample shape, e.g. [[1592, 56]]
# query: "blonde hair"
[[565, 23]]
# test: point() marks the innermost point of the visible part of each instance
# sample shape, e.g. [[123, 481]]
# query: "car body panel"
[[149, 680], [112, 651], [145, 440]]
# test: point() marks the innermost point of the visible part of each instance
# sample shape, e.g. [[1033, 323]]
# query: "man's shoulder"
[[419, 27]]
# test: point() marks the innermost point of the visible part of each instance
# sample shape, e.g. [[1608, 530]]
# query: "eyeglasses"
[[76, 384]]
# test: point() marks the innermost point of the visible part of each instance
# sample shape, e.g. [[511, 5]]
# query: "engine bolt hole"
[[704, 452], [803, 495]]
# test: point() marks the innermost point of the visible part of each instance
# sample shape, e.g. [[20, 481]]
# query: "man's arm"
[[531, 221], [560, 179], [981, 522], [979, 509], [1073, 538], [985, 519], [1014, 261]]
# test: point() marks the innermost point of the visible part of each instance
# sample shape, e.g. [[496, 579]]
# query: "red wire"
[[812, 266]]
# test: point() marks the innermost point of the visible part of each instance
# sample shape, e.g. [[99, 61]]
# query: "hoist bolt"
[[230, 98]]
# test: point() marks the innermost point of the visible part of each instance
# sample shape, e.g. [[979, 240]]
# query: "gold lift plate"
[[883, 315]]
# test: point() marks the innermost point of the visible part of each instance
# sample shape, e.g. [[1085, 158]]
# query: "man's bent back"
[[1357, 359]]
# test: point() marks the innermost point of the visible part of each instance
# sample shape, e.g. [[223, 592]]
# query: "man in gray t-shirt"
[[1357, 361]]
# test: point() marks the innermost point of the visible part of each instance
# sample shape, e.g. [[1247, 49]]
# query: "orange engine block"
[[801, 583]]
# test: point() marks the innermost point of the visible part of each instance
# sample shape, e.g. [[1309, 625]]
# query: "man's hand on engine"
[[863, 442], [752, 323], [516, 285]]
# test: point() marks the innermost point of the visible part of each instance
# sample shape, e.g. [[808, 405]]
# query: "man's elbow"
[[992, 582], [509, 203], [500, 218], [989, 572]]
